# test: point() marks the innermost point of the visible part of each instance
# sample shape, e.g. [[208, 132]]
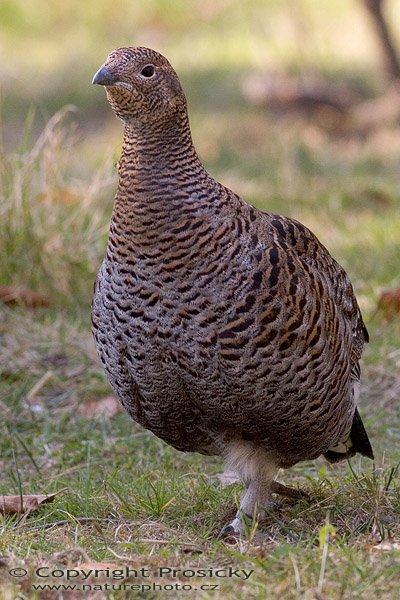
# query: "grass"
[[131, 500]]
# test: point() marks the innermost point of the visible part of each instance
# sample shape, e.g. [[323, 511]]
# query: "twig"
[[152, 541], [376, 11], [81, 520], [149, 540]]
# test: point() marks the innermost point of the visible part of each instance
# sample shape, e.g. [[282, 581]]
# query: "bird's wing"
[[300, 240]]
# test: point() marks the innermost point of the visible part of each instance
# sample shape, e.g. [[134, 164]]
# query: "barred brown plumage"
[[223, 329]]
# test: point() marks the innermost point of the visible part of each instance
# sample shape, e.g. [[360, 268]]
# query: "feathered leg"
[[257, 471]]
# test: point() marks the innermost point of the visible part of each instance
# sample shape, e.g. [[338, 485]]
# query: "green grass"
[[130, 499]]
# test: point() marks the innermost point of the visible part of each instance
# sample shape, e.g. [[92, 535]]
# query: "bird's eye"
[[147, 71]]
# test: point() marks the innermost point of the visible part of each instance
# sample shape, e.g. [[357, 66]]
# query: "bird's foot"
[[288, 492], [241, 524]]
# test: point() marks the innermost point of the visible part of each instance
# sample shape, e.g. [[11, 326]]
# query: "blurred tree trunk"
[[392, 61]]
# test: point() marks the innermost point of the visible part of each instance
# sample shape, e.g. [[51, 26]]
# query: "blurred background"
[[294, 104]]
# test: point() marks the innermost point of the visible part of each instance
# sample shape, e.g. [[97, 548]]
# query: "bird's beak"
[[104, 77]]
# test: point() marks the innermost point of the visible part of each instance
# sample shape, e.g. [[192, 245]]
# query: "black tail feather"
[[359, 442]]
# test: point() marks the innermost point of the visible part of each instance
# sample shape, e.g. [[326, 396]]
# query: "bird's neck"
[[154, 159], [163, 189]]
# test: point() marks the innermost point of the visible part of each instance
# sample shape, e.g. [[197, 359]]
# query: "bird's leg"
[[258, 471], [256, 497], [228, 477]]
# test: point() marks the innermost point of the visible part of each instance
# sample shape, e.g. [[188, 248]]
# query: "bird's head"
[[142, 87]]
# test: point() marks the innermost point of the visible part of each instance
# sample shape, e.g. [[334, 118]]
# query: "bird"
[[223, 329]]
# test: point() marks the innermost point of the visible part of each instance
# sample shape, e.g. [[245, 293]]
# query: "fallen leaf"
[[389, 304], [105, 407], [12, 505], [22, 296]]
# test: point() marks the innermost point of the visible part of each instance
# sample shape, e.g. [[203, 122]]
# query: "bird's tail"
[[357, 442]]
